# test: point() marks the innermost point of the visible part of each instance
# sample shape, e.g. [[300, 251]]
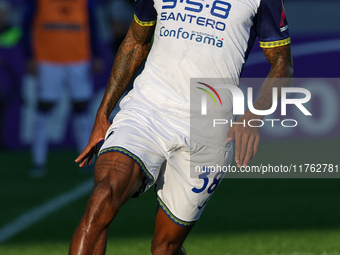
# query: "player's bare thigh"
[[121, 172]]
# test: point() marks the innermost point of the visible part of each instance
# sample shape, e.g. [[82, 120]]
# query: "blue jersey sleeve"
[[145, 13], [271, 24]]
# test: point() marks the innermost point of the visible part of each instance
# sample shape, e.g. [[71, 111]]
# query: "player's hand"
[[247, 140], [98, 134]]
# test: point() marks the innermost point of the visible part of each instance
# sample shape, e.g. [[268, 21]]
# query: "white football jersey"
[[199, 39]]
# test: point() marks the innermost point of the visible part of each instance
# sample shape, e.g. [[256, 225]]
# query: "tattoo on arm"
[[280, 59], [130, 56], [280, 75]]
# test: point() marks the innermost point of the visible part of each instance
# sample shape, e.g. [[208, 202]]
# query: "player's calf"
[[102, 207], [117, 178], [99, 212], [166, 248]]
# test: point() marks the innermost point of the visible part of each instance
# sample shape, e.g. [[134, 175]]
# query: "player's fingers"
[[83, 156], [86, 152], [256, 145], [87, 160], [89, 157], [82, 163], [245, 140], [231, 133], [81, 160], [249, 152], [92, 152], [238, 145]]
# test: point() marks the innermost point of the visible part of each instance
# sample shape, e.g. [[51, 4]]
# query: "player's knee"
[[45, 107], [165, 247], [80, 107], [102, 203]]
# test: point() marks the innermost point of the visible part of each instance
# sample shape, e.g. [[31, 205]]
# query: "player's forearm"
[[280, 75], [280, 59], [130, 56]]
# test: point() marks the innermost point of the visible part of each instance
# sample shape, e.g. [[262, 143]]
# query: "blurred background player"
[[120, 15], [60, 41], [9, 33], [10, 80]]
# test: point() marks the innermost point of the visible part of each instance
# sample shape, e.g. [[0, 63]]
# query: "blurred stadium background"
[[245, 216]]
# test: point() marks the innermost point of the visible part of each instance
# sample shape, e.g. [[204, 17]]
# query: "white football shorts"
[[54, 79], [167, 160]]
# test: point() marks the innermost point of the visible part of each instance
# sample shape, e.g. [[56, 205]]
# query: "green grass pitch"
[[244, 217]]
